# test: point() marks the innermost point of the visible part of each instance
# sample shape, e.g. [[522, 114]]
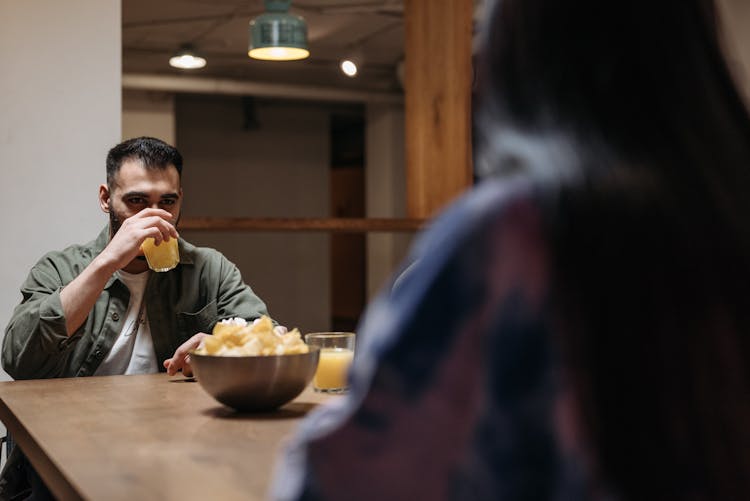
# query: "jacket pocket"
[[202, 320]]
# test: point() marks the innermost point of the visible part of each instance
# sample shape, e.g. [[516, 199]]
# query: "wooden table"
[[145, 437]]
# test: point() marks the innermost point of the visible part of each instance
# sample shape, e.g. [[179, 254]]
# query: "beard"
[[115, 221]]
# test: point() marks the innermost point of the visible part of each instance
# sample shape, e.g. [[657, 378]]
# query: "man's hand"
[[181, 358], [180, 361], [80, 295], [125, 245]]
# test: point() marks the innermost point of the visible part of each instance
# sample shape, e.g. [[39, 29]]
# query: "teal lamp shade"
[[277, 35]]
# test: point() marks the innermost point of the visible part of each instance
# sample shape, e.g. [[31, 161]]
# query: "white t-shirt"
[[133, 350]]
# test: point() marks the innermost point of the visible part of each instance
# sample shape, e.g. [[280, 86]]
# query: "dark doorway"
[[348, 251]]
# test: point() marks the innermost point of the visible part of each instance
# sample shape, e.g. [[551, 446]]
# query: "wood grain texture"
[[438, 83], [145, 437], [330, 225]]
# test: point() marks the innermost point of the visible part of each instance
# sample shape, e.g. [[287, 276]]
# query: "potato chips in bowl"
[[235, 337], [249, 367]]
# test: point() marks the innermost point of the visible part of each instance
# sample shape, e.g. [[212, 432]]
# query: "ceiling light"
[[352, 63], [187, 59], [277, 35], [349, 67]]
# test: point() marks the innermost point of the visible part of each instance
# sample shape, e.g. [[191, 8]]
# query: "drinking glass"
[[162, 257], [336, 355]]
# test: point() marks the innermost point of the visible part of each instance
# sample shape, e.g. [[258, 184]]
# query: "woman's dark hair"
[[151, 152], [626, 112]]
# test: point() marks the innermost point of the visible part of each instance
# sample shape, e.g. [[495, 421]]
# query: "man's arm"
[[36, 344], [80, 295], [234, 299], [41, 332]]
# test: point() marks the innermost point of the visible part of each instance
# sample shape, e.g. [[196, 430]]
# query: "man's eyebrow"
[[143, 194], [135, 194]]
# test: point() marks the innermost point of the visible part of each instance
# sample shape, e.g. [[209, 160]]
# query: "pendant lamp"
[[187, 59], [277, 35]]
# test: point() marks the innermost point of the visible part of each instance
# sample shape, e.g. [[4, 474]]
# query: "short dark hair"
[[154, 153]]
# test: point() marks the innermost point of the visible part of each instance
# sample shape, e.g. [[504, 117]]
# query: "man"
[[96, 309]]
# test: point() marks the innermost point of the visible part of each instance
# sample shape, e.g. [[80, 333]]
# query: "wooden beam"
[[330, 225], [437, 102]]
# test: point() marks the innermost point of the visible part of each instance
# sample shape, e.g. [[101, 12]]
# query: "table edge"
[[53, 477]]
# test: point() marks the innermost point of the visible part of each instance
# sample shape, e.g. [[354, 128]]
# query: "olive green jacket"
[[204, 288]]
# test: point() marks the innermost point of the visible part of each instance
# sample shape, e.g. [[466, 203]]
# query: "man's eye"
[[168, 202], [136, 200]]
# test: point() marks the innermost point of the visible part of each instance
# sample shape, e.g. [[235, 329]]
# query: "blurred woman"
[[577, 326]]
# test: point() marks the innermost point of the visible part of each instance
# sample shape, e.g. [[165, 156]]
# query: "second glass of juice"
[[336, 355]]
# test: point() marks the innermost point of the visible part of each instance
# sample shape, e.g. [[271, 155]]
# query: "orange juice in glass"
[[162, 257], [336, 355]]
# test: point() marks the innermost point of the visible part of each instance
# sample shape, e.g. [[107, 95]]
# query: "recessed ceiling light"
[[349, 67]]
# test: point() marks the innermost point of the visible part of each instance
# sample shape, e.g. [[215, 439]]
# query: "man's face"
[[136, 188]]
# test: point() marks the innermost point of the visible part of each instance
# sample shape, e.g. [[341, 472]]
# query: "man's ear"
[[104, 198]]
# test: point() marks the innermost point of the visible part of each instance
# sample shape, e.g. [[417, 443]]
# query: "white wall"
[[59, 114], [280, 169]]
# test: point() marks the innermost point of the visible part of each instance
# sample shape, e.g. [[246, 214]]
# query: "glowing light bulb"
[[187, 61], [349, 68]]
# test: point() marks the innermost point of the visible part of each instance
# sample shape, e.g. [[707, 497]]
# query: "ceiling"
[[152, 31]]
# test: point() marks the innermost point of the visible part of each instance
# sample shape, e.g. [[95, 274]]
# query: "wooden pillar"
[[438, 102]]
